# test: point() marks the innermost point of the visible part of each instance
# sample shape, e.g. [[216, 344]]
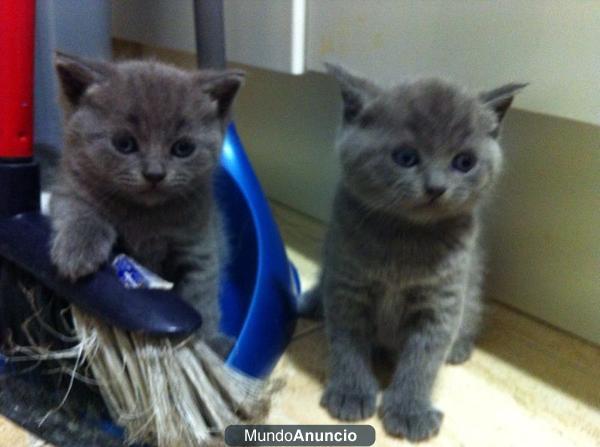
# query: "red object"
[[17, 28]]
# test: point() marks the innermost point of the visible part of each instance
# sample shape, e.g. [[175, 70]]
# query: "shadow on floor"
[[557, 358]]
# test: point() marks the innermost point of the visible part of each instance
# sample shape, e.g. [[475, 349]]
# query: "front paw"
[[75, 257], [415, 424], [348, 403]]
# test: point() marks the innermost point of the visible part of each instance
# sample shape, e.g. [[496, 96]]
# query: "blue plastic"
[[259, 296]]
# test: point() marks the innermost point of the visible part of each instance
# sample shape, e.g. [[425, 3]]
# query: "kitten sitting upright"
[[142, 140], [402, 267]]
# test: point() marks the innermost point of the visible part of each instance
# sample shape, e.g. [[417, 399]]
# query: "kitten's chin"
[[151, 201], [435, 211], [148, 197]]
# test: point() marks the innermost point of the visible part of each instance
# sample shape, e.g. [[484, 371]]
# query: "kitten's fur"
[[402, 267], [104, 197]]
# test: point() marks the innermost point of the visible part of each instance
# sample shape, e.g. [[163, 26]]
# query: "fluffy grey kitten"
[[142, 140], [402, 265]]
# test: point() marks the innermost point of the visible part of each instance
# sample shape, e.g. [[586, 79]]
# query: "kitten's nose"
[[435, 191], [154, 176]]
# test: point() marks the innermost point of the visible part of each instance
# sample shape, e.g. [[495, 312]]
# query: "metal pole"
[[210, 33]]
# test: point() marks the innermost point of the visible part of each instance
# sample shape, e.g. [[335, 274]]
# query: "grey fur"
[[402, 268], [103, 197]]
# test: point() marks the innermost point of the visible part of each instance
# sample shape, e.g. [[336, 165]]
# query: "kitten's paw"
[[414, 425], [221, 344], [75, 257], [349, 404], [461, 352]]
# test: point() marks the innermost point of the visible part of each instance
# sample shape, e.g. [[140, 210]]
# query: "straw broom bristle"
[[162, 392], [165, 393]]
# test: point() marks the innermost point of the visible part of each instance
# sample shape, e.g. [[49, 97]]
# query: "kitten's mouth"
[[429, 204], [152, 188]]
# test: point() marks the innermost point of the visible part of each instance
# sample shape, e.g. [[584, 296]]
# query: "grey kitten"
[[402, 266], [142, 140]]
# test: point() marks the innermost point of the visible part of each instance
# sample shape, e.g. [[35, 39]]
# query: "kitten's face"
[[426, 150], [144, 131]]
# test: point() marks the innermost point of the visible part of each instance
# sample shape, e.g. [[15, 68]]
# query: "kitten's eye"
[[183, 148], [125, 143], [407, 157], [464, 162]]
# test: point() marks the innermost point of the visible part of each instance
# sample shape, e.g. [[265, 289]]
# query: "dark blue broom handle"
[[210, 33]]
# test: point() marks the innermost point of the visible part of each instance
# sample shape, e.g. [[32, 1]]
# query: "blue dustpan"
[[259, 294]]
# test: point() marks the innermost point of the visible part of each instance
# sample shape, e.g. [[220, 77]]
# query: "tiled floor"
[[527, 384]]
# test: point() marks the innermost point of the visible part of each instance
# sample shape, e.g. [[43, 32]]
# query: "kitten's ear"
[[356, 91], [222, 87], [76, 75], [500, 99]]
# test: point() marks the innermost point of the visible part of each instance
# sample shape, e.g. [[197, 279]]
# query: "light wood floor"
[[527, 384]]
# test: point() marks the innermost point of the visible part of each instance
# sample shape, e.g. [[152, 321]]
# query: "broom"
[[159, 381], [163, 390]]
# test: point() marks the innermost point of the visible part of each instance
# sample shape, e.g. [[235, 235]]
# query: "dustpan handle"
[[19, 175], [210, 33], [17, 28]]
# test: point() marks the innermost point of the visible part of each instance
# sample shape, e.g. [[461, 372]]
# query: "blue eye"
[[183, 148], [406, 156], [464, 162], [124, 143]]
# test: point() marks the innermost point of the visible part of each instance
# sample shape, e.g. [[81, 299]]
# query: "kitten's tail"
[[310, 303]]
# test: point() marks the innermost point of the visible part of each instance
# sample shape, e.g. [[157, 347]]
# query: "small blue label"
[[134, 276]]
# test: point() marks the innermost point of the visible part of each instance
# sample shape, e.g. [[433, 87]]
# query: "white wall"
[[265, 33], [553, 44]]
